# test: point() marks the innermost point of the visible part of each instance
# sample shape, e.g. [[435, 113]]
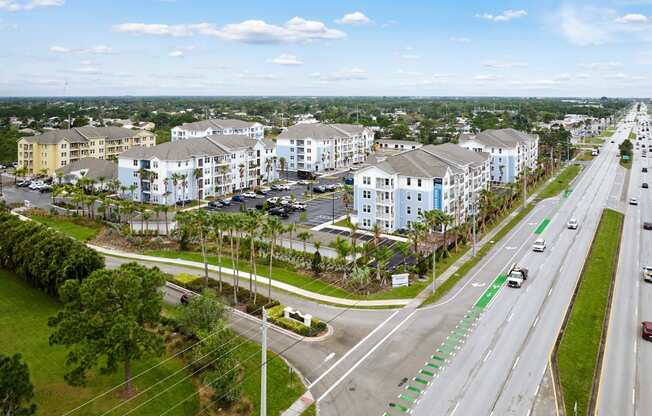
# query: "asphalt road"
[[626, 377]]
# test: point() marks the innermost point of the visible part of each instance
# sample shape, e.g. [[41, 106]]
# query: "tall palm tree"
[[383, 254], [184, 187], [282, 162], [176, 178], [197, 173], [353, 229], [342, 248], [101, 180], [445, 220], [218, 225], [252, 224], [304, 236], [146, 215], [241, 172], [132, 189], [272, 228], [432, 221], [164, 210]]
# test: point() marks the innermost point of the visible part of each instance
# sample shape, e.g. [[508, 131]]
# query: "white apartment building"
[[394, 192], [205, 128], [216, 165], [316, 147], [510, 150]]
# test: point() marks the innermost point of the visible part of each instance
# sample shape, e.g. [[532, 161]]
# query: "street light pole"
[[333, 199], [474, 219], [263, 369]]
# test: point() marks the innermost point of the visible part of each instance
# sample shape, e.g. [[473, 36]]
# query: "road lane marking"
[[364, 357], [509, 318], [352, 349], [535, 322], [455, 408], [486, 356], [516, 362], [550, 292]]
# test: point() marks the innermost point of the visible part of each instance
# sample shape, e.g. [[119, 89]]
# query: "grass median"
[[577, 355], [561, 183]]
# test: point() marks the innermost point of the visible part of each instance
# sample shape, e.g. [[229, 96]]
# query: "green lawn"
[[68, 226], [24, 312], [562, 182], [577, 354], [585, 155]]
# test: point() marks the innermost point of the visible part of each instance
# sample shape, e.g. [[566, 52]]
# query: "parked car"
[[277, 187], [224, 202], [331, 187], [279, 211], [249, 194], [644, 170], [644, 185], [572, 224], [646, 330], [319, 189], [647, 225], [273, 200], [45, 189], [213, 205], [35, 185], [299, 206], [23, 184], [633, 201], [238, 198], [539, 245], [183, 202], [348, 181]]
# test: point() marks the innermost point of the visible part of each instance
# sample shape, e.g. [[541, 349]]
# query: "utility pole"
[[263, 368], [524, 186], [434, 266], [474, 236]]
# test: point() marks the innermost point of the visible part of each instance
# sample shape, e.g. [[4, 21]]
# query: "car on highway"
[[647, 225], [572, 224], [644, 170], [249, 194], [647, 274], [633, 201], [646, 330], [516, 276], [644, 185], [539, 245]]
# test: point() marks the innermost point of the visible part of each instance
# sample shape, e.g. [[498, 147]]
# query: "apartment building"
[[315, 147], [215, 165], [216, 126], [510, 150], [395, 191], [389, 146], [57, 148]]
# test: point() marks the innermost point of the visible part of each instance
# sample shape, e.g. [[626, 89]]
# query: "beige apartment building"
[[57, 148]]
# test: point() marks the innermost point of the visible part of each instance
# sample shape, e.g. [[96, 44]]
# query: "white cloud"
[[285, 59], [616, 75], [408, 73], [252, 75], [580, 31], [562, 77], [96, 50], [635, 18], [176, 54], [582, 75], [602, 66], [17, 6], [88, 70], [505, 64], [488, 77], [457, 39], [505, 16], [355, 18], [59, 49], [250, 31], [343, 75]]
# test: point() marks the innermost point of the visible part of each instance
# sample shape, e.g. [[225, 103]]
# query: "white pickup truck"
[[516, 276]]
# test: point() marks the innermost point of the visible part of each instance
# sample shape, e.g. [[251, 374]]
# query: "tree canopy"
[[16, 390]]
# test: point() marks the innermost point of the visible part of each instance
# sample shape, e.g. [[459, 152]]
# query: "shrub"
[[184, 279], [276, 317]]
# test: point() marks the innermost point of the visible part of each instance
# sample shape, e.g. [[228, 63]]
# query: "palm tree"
[[223, 169], [383, 254], [184, 186], [446, 220], [291, 228], [218, 224], [376, 231], [272, 228], [342, 248], [176, 177], [197, 173], [157, 211], [304, 236], [241, 171], [101, 180], [235, 225], [282, 162], [404, 249], [432, 221], [164, 210], [91, 205], [132, 189], [21, 171], [197, 222], [252, 225], [353, 228], [146, 215]]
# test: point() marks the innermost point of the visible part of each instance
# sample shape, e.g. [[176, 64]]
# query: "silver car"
[[539, 245]]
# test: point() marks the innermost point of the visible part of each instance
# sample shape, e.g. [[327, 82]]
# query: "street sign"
[[400, 280], [625, 157]]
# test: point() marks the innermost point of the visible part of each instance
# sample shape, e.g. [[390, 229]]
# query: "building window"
[[409, 181], [409, 210], [366, 194], [135, 163], [366, 180], [419, 196], [155, 164], [408, 196], [419, 182]]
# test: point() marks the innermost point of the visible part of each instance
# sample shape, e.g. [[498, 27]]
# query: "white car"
[[647, 274], [273, 200], [539, 245], [299, 206], [249, 194], [36, 185], [633, 201], [572, 224]]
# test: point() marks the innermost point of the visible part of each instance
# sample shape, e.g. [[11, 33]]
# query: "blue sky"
[[425, 48]]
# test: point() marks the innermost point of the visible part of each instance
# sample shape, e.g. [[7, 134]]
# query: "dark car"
[[647, 225], [348, 181], [646, 330], [45, 189], [644, 185], [319, 189], [184, 202], [224, 202], [644, 170], [238, 198], [279, 212], [260, 207], [212, 205], [23, 184]]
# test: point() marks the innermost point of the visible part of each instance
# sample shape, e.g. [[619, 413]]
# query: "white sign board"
[[400, 280]]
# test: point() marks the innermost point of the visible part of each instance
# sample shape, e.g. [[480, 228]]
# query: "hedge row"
[[41, 256], [276, 317]]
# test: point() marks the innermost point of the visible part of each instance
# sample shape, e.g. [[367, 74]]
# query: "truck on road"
[[516, 276]]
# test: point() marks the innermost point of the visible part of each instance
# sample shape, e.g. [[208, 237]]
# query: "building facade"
[[394, 192], [316, 147], [216, 126], [57, 148], [510, 150], [216, 165]]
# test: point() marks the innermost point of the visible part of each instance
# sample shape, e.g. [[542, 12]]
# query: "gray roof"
[[178, 150], [217, 123], [232, 141], [83, 134], [96, 168], [501, 138], [432, 161], [320, 131], [403, 142]]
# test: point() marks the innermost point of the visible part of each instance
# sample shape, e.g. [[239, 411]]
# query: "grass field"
[[24, 313], [578, 350], [585, 156], [68, 227], [562, 182]]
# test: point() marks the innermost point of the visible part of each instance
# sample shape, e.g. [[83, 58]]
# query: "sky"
[[326, 48]]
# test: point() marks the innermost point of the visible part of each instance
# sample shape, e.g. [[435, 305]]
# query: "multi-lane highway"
[[626, 376]]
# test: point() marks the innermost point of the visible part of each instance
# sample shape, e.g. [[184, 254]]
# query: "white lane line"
[[537, 390], [633, 396], [516, 362], [364, 357], [455, 408], [509, 318], [486, 356], [352, 349], [550, 292], [535, 322]]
